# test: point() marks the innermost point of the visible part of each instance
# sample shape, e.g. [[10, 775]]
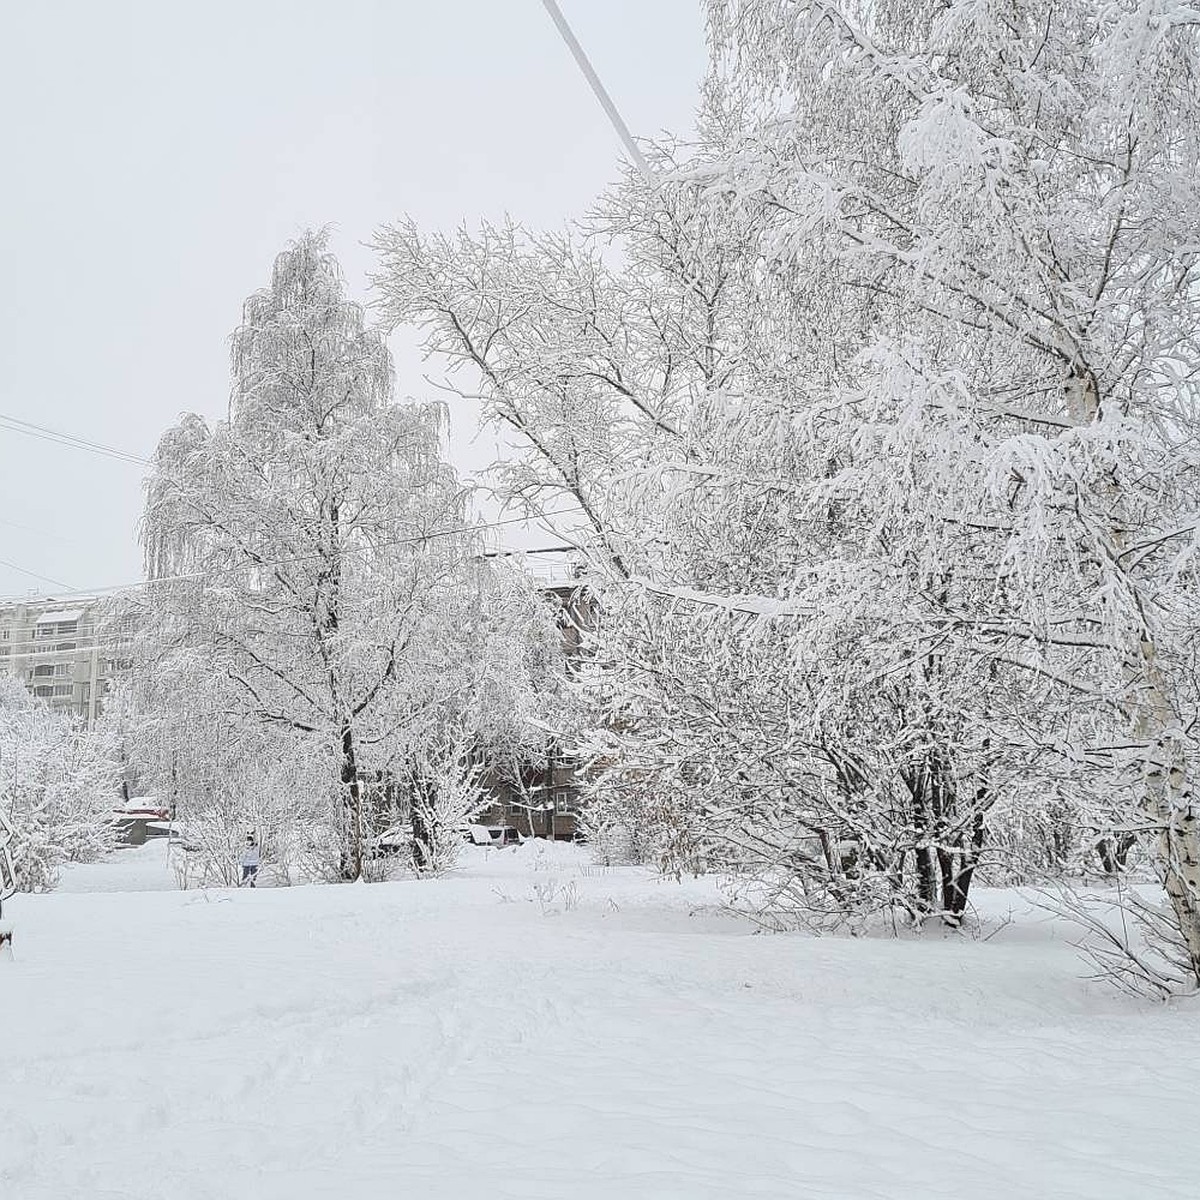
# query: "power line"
[[606, 101], [57, 437], [43, 433], [58, 583], [41, 533], [267, 565]]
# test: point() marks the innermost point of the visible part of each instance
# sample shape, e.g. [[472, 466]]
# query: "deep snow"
[[539, 1027]]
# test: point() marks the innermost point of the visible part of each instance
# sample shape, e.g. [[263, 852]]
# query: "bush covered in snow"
[[57, 785]]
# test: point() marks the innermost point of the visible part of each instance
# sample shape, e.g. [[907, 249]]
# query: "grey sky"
[[155, 156]]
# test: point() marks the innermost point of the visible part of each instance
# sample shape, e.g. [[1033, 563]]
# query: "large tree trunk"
[[1169, 801], [924, 852], [958, 868], [1114, 852], [1171, 807], [352, 849], [1179, 851]]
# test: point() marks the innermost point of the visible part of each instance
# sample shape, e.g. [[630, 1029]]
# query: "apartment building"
[[64, 651], [545, 802]]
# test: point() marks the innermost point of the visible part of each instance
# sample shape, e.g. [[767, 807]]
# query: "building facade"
[[63, 651], [546, 800]]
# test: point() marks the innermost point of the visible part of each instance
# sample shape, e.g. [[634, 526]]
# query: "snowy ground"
[[538, 1027]]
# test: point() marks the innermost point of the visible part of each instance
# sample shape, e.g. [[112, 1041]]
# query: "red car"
[[143, 808]]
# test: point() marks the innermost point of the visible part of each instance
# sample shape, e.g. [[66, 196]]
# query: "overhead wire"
[[45, 434], [41, 533], [33, 574], [601, 92], [270, 564], [29, 428]]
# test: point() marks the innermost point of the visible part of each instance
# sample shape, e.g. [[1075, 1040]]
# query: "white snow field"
[[536, 1027]]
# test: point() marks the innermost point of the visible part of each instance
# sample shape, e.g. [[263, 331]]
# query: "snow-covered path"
[[480, 1037]]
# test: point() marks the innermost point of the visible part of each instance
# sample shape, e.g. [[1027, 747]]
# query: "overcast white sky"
[[154, 157]]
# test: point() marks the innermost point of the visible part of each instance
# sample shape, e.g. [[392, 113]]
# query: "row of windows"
[[47, 691], [45, 670], [56, 648], [56, 629]]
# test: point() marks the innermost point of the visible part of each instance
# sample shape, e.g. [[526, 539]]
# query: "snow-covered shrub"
[[57, 785], [640, 816], [445, 794]]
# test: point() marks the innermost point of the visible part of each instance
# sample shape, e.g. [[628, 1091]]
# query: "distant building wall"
[[62, 651], [546, 802]]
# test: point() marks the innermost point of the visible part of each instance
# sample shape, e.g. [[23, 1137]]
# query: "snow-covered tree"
[[57, 788], [495, 690], [317, 530], [220, 775], [881, 411], [1002, 200], [312, 553]]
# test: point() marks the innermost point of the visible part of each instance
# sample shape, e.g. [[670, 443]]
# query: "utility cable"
[[41, 432], [606, 101], [267, 565], [33, 574]]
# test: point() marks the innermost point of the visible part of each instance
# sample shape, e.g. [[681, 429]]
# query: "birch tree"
[[329, 621], [310, 546], [1010, 191]]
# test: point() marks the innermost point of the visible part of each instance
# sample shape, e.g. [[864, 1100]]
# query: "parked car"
[[493, 835], [142, 808], [503, 835], [396, 839]]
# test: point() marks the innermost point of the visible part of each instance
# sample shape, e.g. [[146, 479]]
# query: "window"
[[43, 671], [564, 802], [49, 629], [65, 646], [45, 691], [64, 689], [62, 668]]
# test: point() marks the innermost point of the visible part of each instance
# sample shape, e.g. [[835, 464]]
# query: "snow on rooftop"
[[60, 616]]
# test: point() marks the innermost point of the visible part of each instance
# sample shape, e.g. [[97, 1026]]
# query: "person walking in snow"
[[250, 861]]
